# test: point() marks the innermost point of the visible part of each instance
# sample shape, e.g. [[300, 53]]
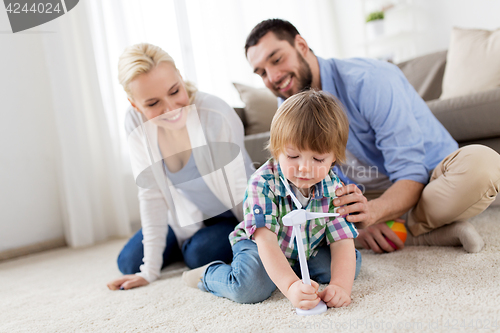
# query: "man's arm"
[[396, 201], [391, 106]]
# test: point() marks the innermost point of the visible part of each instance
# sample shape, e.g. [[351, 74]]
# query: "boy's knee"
[[195, 253], [253, 290], [251, 283]]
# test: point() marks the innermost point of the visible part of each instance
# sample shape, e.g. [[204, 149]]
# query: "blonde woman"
[[185, 215]]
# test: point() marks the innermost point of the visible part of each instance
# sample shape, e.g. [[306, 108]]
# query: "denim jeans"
[[245, 280], [206, 245]]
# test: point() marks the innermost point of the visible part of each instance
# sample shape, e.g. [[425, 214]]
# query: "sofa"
[[470, 119]]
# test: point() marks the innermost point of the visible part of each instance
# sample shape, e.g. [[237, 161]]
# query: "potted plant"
[[375, 25]]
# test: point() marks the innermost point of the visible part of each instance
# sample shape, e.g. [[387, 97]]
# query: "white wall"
[[445, 14], [439, 16], [29, 197]]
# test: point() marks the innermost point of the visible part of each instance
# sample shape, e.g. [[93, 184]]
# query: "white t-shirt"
[[304, 201]]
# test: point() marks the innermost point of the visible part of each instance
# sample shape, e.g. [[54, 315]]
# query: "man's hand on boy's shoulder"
[[355, 204]]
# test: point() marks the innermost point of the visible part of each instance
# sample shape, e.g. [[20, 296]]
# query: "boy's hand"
[[303, 296], [335, 296], [127, 282]]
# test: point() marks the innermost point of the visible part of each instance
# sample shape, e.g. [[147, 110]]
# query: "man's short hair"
[[310, 120], [283, 30]]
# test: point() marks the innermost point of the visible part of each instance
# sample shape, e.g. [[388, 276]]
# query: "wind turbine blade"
[[295, 200], [311, 216]]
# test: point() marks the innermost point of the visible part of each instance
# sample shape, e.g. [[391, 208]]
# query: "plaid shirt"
[[266, 202]]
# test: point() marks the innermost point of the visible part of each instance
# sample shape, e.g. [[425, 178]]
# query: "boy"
[[308, 136]]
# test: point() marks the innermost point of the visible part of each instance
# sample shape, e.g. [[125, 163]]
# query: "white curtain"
[[206, 39], [219, 29], [91, 176]]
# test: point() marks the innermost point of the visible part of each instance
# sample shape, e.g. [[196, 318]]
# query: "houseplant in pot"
[[375, 25]]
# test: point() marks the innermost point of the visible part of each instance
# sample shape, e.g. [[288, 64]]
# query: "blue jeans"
[[246, 280], [206, 245]]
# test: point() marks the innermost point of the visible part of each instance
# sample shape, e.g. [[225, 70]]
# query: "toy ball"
[[399, 229]]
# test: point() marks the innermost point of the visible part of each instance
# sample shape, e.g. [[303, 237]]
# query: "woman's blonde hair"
[[310, 120], [141, 58]]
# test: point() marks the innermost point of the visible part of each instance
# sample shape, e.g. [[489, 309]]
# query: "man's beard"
[[305, 74], [304, 77]]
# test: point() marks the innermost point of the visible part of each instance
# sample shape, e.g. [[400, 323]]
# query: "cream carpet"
[[416, 289]]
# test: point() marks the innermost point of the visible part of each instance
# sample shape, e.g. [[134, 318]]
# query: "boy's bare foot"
[[454, 234]]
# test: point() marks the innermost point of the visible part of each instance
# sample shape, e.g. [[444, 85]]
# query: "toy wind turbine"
[[296, 218]]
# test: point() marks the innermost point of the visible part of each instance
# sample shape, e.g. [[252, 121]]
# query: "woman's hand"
[[355, 204], [303, 296], [127, 282]]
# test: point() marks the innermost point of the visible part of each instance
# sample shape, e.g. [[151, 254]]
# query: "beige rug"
[[417, 289]]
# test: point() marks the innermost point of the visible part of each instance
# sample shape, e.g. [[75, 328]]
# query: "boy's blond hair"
[[310, 120]]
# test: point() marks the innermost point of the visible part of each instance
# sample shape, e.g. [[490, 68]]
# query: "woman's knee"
[[127, 264], [195, 260], [130, 258], [192, 255], [196, 255], [207, 245]]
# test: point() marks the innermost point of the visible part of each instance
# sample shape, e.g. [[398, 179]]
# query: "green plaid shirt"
[[266, 202]]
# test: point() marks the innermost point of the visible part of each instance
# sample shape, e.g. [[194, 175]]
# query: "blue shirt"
[[189, 181], [390, 126]]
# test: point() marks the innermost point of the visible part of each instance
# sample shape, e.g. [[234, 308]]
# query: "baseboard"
[[34, 248]]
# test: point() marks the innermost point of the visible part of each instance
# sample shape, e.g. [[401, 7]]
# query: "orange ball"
[[399, 229]]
